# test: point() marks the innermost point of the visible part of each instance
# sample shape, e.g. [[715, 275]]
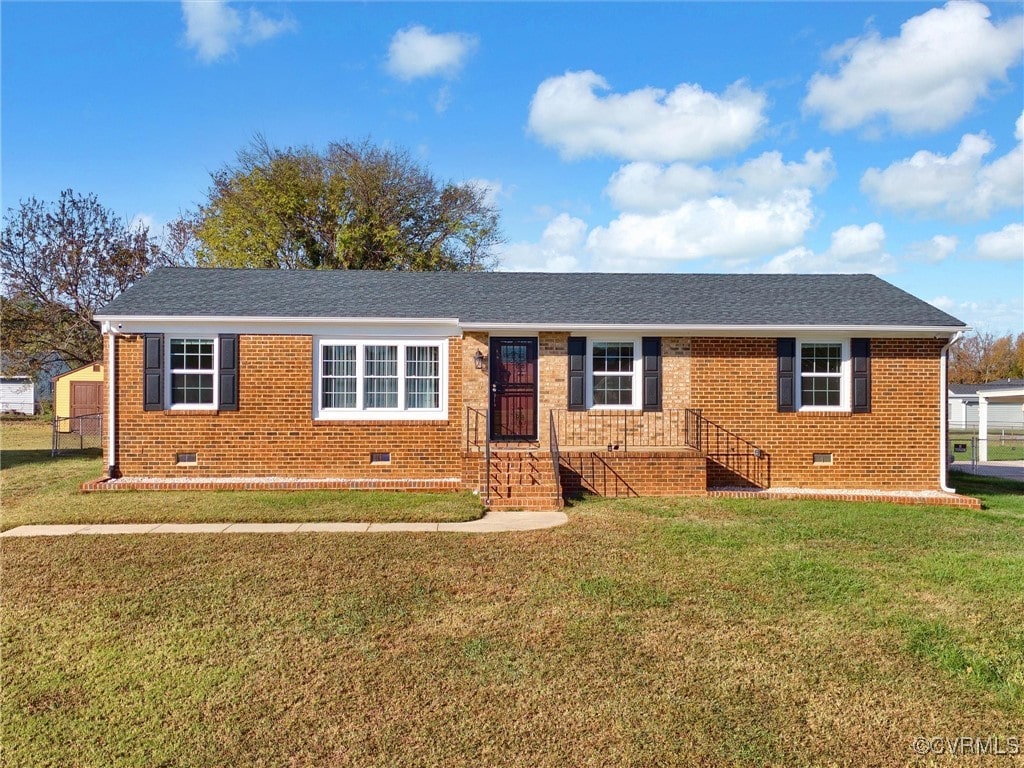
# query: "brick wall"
[[273, 432], [733, 381], [674, 473]]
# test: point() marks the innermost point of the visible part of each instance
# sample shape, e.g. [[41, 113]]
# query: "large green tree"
[[60, 261], [352, 206]]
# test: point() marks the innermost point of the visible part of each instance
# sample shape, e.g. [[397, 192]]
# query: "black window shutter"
[[651, 347], [228, 362], [577, 373], [860, 351], [153, 372], [787, 374]]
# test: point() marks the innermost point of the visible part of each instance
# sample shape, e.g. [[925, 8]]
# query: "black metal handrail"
[[474, 417], [556, 456], [736, 454]]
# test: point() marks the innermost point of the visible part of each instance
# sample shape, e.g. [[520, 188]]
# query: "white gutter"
[[109, 331], [559, 326], [768, 330], [943, 406], [278, 320]]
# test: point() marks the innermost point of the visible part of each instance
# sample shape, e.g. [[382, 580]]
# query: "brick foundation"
[[640, 473]]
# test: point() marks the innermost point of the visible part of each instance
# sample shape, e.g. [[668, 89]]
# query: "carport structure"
[[986, 396]]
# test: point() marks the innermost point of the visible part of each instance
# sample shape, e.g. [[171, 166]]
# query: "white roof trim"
[[717, 330], [281, 320], [774, 330]]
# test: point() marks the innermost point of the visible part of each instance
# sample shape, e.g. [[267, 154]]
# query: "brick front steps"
[[926, 498], [268, 484]]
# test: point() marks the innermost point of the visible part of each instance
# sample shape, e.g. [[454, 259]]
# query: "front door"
[[513, 389]]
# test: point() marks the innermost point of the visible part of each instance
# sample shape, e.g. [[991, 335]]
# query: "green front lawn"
[[38, 488], [645, 632]]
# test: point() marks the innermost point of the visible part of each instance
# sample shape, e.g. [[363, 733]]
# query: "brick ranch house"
[[628, 384]]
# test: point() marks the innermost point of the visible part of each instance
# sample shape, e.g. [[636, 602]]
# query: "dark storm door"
[[513, 389]]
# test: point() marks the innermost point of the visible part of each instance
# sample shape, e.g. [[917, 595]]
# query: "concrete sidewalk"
[[1011, 470], [492, 522]]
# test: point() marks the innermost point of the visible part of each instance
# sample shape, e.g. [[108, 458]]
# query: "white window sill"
[[381, 415]]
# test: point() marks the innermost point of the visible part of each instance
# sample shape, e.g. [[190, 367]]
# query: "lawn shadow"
[[18, 458]]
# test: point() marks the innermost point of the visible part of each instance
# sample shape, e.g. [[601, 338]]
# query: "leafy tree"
[[984, 357], [60, 261], [353, 206]]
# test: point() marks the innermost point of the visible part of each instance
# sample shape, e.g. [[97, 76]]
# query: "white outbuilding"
[[17, 395]]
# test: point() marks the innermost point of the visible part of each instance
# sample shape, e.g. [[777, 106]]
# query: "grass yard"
[[644, 632], [38, 488]]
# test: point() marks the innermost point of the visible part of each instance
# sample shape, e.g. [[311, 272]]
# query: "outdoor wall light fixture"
[[479, 360]]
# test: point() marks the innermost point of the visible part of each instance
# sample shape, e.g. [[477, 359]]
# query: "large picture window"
[[824, 370], [380, 380], [192, 366]]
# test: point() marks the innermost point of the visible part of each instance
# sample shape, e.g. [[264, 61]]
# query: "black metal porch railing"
[[738, 460], [735, 460], [620, 430]]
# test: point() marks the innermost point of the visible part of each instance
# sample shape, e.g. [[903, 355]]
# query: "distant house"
[[964, 405], [17, 395], [524, 385]]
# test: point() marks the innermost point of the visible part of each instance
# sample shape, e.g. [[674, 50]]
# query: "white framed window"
[[613, 373], [824, 371], [191, 380], [382, 379]]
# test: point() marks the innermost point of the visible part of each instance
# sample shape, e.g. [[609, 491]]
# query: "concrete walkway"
[[1012, 470], [492, 522]]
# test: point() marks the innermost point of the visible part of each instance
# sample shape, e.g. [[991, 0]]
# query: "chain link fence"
[[77, 433], [998, 445]]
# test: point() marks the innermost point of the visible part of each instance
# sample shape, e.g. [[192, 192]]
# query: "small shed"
[[78, 392], [17, 395]]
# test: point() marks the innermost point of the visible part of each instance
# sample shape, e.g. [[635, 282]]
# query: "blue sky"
[[783, 137]]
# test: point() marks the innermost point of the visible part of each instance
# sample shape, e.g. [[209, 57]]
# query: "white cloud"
[[959, 185], [993, 316], [491, 189], [143, 221], [925, 79], [853, 250], [721, 228], [559, 250], [933, 250], [649, 187], [687, 123], [417, 52], [1005, 245], [215, 29]]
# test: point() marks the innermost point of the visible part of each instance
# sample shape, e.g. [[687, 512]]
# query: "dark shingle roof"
[[539, 298], [973, 389]]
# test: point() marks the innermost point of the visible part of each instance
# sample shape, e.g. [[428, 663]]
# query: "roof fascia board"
[[727, 330], [179, 319]]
